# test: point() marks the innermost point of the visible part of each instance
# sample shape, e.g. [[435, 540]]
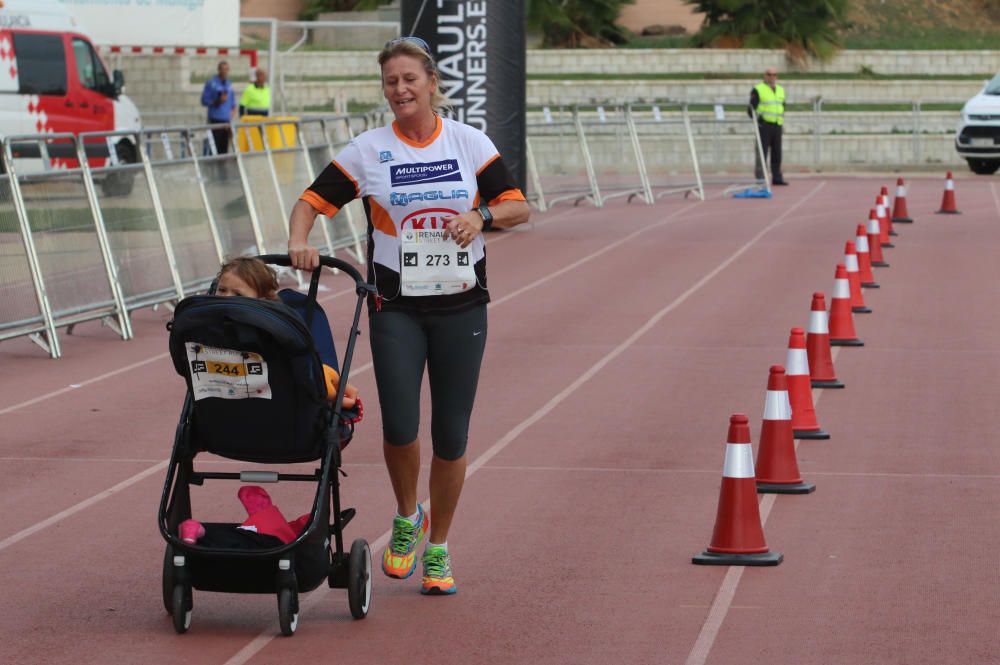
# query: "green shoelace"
[[404, 534], [437, 563]]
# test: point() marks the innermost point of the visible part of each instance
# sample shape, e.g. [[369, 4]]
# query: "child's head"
[[249, 277]]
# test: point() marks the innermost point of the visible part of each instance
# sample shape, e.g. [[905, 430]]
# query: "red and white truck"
[[52, 80]]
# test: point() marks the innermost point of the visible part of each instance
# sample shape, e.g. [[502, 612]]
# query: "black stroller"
[[256, 393]]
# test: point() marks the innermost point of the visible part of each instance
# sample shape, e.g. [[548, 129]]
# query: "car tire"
[[120, 183], [984, 166]]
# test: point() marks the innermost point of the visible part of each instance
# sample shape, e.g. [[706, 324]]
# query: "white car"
[[978, 136]]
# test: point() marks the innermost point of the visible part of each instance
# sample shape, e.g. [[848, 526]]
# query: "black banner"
[[479, 46]]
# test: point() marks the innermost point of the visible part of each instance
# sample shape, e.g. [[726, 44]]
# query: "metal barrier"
[[140, 246], [662, 133], [196, 239], [66, 242], [230, 200], [562, 170], [726, 144]]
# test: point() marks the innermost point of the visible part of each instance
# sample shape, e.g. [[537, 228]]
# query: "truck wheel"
[[120, 183], [984, 166]]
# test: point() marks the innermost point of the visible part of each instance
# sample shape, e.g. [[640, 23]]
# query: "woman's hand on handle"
[[302, 254], [304, 257]]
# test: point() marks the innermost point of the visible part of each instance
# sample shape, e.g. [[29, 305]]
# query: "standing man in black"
[[768, 99]]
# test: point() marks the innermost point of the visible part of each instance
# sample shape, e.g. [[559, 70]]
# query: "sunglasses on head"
[[417, 41]]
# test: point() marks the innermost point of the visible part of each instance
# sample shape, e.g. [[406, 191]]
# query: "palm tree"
[[799, 26], [572, 23]]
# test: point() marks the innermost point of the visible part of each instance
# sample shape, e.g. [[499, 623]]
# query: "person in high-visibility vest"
[[768, 99], [256, 99]]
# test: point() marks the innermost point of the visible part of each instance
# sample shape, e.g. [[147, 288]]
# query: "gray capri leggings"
[[451, 346]]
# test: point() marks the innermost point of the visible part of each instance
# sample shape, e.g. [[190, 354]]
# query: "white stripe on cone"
[[819, 324], [949, 185], [739, 461], [777, 406], [861, 244], [873, 226], [841, 289], [900, 192], [797, 362], [851, 262]]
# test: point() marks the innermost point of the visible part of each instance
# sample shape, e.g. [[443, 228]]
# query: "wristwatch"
[[487, 216]]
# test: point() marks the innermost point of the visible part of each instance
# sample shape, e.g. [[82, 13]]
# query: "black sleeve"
[[754, 101], [334, 186], [494, 180]]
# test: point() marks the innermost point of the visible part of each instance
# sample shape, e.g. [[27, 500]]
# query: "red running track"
[[620, 342]]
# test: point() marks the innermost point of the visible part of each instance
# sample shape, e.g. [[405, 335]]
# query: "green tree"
[[573, 23], [799, 26]]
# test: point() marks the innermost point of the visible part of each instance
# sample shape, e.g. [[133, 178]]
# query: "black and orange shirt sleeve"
[[338, 184], [493, 180]]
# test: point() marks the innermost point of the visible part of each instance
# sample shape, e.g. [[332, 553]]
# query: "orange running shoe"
[[438, 579], [400, 558]]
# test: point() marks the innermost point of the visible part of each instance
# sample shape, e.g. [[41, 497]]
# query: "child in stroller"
[[257, 393]]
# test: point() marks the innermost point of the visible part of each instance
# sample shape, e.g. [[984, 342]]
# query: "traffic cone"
[[948, 206], [888, 210], [883, 223], [900, 215], [874, 240], [738, 537], [804, 423], [818, 352], [777, 468], [841, 319], [864, 258], [854, 280]]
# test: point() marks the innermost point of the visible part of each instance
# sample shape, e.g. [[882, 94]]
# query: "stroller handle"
[[328, 261]]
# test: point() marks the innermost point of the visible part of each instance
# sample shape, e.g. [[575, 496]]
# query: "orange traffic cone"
[[804, 423], [738, 537], [874, 240], [883, 222], [841, 319], [864, 258], [888, 210], [821, 372], [777, 468], [948, 206], [854, 280], [900, 215]]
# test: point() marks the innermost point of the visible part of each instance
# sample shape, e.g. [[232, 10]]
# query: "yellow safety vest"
[[257, 99], [771, 107]]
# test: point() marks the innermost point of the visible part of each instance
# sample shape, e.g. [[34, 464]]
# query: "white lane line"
[[58, 517], [77, 386], [265, 637], [724, 598]]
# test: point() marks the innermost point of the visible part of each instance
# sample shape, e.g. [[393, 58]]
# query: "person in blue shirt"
[[218, 97]]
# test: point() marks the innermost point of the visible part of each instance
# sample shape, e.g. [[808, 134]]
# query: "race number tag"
[[433, 266], [226, 373]]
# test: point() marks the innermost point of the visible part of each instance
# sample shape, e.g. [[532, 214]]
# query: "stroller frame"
[[291, 568]]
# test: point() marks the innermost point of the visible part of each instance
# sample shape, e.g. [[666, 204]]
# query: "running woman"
[[430, 187]]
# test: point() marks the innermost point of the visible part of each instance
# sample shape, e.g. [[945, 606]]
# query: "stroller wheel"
[[288, 611], [168, 580], [359, 578], [182, 607]]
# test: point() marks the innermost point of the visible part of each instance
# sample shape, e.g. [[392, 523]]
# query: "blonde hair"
[[398, 47]]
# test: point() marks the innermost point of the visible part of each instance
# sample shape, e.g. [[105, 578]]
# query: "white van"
[[978, 136], [53, 81]]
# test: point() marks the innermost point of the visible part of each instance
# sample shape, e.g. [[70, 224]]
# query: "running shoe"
[[437, 573], [400, 558]]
